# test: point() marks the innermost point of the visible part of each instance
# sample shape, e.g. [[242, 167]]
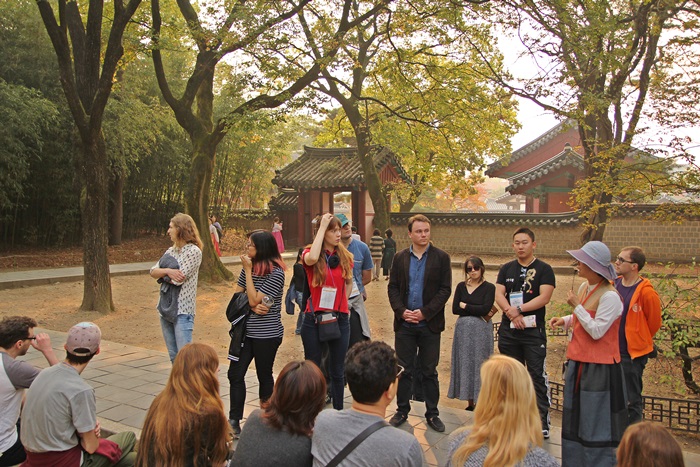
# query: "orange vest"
[[583, 348]]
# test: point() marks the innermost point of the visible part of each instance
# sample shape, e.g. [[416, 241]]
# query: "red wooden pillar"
[[301, 223]]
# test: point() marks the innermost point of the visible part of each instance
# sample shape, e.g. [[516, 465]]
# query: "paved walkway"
[[127, 378]]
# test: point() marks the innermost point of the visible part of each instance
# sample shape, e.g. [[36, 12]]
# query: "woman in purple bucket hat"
[[595, 400]]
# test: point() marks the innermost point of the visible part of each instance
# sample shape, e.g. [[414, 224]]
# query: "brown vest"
[[583, 348]]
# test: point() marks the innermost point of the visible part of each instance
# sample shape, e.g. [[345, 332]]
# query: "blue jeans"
[[178, 334], [337, 349]]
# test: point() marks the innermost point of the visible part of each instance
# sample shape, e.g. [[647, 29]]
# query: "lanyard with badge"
[[328, 293]]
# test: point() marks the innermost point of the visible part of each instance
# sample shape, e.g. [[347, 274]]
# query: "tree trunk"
[[406, 206], [97, 288], [116, 208], [197, 202]]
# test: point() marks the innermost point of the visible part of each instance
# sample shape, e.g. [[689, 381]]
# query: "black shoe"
[[235, 426], [398, 419], [329, 399], [436, 424], [470, 408]]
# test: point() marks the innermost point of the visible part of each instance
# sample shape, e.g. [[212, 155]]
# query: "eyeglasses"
[[31, 338], [398, 375], [620, 259]]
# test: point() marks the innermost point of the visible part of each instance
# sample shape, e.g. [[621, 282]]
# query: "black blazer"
[[437, 287]]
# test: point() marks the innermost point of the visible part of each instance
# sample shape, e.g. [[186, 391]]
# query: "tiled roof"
[[492, 218], [319, 168], [532, 145], [568, 157], [284, 201]]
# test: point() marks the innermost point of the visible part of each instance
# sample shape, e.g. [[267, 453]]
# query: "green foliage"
[[680, 303], [602, 63], [24, 121]]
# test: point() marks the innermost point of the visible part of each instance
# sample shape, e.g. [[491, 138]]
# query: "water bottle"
[[267, 301]]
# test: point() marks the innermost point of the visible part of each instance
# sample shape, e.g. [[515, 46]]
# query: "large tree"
[[598, 62], [87, 66], [407, 75], [440, 117], [262, 37]]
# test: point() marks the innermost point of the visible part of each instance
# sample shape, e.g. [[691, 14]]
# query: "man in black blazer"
[[419, 286]]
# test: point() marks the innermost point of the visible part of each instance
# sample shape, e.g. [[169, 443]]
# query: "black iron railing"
[[675, 414]]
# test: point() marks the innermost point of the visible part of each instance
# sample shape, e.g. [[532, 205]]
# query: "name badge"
[[327, 298], [516, 299], [355, 289]]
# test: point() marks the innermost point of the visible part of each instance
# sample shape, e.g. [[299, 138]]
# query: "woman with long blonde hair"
[[186, 424], [328, 265], [507, 430], [177, 273]]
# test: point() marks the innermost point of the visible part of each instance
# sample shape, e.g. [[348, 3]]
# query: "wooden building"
[[545, 170], [307, 185]]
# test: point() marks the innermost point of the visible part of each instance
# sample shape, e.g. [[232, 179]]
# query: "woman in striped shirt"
[[262, 279]]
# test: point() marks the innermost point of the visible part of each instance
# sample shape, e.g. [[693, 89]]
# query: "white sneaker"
[[545, 434]]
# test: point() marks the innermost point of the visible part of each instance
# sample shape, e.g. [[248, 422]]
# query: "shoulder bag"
[[356, 442]]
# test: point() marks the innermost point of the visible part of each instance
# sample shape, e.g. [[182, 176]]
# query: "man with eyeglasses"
[[637, 329], [523, 288], [16, 336]]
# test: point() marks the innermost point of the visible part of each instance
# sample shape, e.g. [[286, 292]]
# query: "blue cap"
[[343, 219]]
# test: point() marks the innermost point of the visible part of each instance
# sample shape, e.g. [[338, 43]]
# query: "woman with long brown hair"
[[507, 428], [287, 422], [186, 424], [328, 265], [177, 272]]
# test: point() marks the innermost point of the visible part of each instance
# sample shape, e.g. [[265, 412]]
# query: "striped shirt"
[[376, 245], [266, 326]]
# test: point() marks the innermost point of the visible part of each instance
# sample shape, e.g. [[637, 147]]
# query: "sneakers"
[[235, 426], [436, 424], [398, 419], [545, 434]]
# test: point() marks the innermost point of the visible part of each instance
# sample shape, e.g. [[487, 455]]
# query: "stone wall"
[[491, 233]]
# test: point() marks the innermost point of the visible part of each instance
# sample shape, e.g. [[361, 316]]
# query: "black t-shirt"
[[517, 278]]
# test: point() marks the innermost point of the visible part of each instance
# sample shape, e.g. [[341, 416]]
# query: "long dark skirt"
[[595, 414]]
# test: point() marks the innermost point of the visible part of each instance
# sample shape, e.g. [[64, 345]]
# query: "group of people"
[[615, 314], [606, 355]]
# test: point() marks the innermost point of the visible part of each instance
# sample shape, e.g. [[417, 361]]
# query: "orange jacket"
[[643, 319]]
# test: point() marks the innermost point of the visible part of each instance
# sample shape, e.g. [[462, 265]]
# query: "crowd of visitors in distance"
[[615, 314]]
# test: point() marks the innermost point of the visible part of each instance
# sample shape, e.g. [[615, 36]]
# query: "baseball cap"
[[83, 339], [343, 219]]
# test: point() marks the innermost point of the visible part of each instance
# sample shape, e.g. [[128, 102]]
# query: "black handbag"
[[328, 327]]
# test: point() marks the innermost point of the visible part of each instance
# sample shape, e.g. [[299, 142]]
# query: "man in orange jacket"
[[641, 318]]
